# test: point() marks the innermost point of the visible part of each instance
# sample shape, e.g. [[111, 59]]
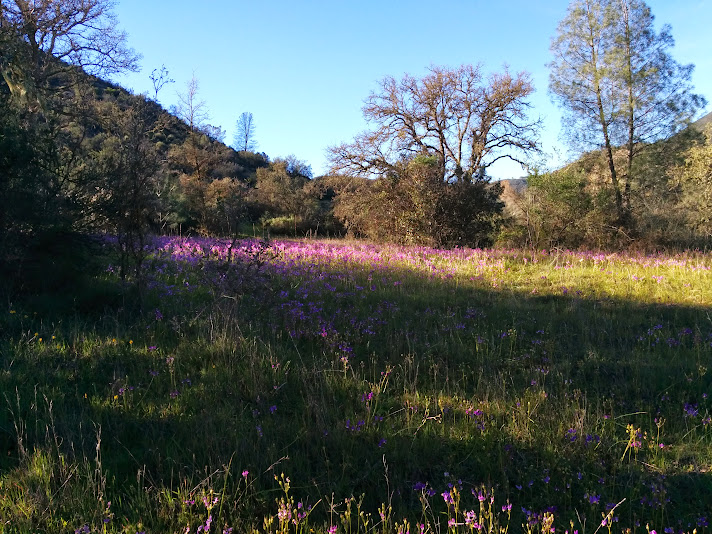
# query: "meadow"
[[343, 387]]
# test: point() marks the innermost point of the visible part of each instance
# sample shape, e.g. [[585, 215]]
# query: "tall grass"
[[291, 386]]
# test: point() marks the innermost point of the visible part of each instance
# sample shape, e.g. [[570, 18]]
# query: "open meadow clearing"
[[297, 385]]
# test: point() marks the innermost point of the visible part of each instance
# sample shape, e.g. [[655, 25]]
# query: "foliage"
[[245, 133], [413, 205], [457, 122], [211, 192], [47, 114], [127, 164], [695, 179], [280, 196], [575, 206], [563, 209], [42, 198]]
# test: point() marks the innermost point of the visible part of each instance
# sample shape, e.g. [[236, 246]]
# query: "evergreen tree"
[[619, 86]]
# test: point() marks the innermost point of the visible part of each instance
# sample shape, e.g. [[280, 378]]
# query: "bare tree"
[[42, 40], [190, 108], [467, 121], [245, 133], [160, 78]]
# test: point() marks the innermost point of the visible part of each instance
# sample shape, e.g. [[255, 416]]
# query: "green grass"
[[558, 382]]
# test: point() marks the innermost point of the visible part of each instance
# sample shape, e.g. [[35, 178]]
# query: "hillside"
[[169, 131], [704, 121], [589, 161]]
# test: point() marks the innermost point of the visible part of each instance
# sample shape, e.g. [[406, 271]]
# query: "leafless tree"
[[190, 108], [466, 120], [160, 78], [41, 40]]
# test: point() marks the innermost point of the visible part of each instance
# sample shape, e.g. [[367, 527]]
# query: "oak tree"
[[43, 40], [433, 141], [466, 120]]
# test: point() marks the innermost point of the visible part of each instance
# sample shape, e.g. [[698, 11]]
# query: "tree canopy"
[[43, 39], [468, 121], [245, 133]]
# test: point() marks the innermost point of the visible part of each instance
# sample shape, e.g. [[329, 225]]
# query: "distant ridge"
[[704, 121]]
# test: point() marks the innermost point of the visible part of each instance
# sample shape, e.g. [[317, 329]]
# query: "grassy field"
[[344, 387]]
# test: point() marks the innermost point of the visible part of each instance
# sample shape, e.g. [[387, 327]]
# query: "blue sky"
[[304, 67]]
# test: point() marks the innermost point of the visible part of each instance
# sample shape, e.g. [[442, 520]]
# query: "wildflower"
[[284, 513], [245, 473], [206, 526], [333, 529], [691, 410]]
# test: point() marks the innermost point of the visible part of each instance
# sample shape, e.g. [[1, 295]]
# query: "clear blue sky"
[[304, 67]]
